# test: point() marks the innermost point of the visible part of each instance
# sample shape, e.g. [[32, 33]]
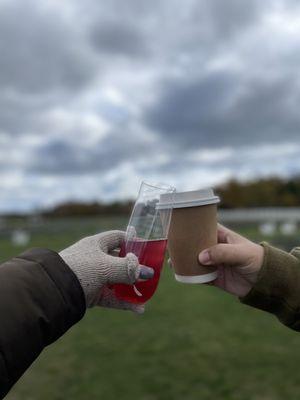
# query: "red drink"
[[150, 253]]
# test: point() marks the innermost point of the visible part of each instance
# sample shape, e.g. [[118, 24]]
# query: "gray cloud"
[[63, 157], [117, 38], [123, 90], [227, 18], [37, 54], [184, 108], [44, 62], [225, 109]]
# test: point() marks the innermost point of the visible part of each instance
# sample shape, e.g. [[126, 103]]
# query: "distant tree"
[[270, 192], [73, 209]]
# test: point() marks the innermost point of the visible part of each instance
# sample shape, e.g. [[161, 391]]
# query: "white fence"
[[261, 215]]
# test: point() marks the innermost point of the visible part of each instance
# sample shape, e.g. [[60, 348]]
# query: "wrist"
[[277, 283], [259, 257]]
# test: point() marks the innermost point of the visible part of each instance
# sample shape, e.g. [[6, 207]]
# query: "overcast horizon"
[[96, 97]]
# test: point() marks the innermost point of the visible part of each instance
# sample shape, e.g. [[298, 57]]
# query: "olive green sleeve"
[[277, 289]]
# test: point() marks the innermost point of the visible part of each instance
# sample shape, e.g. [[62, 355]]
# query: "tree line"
[[73, 209], [269, 192]]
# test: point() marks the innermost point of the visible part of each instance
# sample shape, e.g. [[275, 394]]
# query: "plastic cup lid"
[[193, 198]]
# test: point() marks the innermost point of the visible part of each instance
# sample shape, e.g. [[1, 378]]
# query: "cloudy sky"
[[96, 96]]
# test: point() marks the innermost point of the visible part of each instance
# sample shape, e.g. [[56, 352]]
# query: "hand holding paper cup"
[[193, 228]]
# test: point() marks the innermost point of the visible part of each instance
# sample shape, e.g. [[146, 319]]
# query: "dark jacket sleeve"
[[277, 289], [40, 299]]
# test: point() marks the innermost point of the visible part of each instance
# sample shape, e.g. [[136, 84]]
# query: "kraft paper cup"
[[193, 228]]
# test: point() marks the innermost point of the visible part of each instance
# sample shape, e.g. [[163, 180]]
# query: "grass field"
[[193, 342]]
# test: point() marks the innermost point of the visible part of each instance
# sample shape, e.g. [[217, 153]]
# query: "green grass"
[[193, 342]]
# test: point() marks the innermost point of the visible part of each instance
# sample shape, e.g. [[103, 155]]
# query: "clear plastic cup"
[[146, 237]]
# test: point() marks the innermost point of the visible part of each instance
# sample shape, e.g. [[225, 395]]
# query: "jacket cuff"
[[277, 287]]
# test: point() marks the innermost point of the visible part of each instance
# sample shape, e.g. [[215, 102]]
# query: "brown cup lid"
[[193, 198]]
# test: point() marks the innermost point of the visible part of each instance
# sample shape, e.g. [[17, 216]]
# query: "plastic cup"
[[146, 237]]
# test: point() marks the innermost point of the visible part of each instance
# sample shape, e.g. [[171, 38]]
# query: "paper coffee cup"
[[193, 228]]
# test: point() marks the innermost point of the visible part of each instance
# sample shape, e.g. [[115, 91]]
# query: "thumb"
[[228, 254], [126, 269]]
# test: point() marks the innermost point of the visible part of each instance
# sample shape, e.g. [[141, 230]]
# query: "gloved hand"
[[96, 269]]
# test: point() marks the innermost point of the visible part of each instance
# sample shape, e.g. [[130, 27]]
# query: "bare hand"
[[238, 260]]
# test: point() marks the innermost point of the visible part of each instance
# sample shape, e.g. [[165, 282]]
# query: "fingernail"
[[204, 257], [146, 272]]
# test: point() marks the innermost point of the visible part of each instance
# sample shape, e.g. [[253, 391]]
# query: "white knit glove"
[[95, 269]]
